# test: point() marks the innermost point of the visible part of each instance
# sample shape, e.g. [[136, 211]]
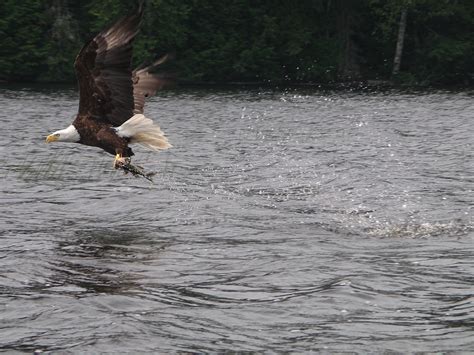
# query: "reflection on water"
[[280, 221]]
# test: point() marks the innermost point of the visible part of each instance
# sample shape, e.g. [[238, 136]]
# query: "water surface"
[[282, 220]]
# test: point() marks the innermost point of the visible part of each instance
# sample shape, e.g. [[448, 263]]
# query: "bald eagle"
[[112, 96]]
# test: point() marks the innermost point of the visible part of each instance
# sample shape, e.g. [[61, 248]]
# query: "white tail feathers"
[[142, 130]]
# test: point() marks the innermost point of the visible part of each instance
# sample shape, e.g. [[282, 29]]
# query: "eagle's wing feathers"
[[104, 73], [145, 84]]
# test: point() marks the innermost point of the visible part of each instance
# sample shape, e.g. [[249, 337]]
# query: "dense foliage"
[[251, 40]]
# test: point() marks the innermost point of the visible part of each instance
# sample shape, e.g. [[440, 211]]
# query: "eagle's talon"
[[125, 164], [120, 161]]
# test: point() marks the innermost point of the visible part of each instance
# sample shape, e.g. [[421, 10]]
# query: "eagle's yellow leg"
[[116, 160]]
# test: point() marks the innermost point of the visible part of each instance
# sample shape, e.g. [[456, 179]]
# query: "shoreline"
[[337, 85]]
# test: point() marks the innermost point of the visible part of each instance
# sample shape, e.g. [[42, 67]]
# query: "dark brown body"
[[98, 133]]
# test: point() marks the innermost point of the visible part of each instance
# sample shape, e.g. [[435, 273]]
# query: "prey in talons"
[[125, 163]]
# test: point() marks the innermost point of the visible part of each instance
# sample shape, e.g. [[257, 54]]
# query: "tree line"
[[417, 42]]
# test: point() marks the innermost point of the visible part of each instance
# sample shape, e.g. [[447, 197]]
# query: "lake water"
[[281, 221]]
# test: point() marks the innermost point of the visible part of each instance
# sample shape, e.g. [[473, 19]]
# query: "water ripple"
[[281, 221]]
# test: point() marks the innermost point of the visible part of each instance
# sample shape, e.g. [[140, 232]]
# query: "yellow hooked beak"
[[52, 138]]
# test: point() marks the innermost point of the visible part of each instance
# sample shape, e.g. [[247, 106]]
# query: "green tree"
[[23, 27], [251, 40], [62, 43]]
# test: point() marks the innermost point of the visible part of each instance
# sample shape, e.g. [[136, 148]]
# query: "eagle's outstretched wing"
[[104, 73], [145, 84]]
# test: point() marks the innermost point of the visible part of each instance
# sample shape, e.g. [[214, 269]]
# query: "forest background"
[[413, 42]]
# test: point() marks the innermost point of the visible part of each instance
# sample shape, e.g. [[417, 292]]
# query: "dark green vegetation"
[[318, 41]]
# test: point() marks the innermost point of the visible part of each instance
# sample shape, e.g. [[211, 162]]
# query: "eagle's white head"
[[69, 134]]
